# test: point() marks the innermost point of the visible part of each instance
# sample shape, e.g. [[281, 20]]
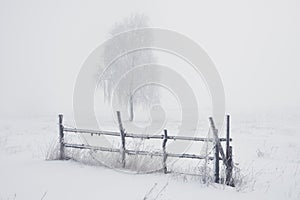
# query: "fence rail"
[[227, 159], [142, 136]]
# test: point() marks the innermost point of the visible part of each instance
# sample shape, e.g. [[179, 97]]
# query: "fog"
[[255, 46]]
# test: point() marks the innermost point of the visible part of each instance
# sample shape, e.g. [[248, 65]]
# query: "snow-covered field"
[[266, 149]]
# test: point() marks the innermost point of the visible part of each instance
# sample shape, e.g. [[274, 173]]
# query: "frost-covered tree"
[[125, 93]]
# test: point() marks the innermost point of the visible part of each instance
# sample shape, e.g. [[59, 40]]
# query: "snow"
[[265, 147]]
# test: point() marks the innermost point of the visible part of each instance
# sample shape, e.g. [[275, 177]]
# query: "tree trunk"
[[131, 108]]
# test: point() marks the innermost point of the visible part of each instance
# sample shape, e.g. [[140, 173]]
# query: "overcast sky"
[[255, 46]]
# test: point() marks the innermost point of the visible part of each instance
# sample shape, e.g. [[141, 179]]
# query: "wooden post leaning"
[[122, 134], [165, 139]]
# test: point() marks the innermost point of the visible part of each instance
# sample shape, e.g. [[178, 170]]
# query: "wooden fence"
[[218, 149]]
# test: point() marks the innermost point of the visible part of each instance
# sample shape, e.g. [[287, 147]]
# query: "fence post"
[[165, 139], [215, 133], [61, 138], [122, 134], [216, 161], [227, 135], [228, 152], [229, 169]]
